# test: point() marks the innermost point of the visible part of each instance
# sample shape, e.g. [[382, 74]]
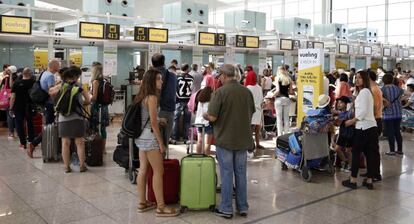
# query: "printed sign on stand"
[[310, 79], [110, 59]]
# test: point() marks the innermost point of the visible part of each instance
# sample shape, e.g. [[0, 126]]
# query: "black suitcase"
[[282, 142]]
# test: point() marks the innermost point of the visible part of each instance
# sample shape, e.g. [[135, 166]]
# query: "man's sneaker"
[[349, 184], [243, 213], [390, 153], [399, 153], [222, 214]]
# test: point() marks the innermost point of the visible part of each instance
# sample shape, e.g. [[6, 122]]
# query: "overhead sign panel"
[[343, 48], [91, 30], [112, 31], [247, 41], [367, 50], [286, 44], [16, 24], [148, 34], [315, 45], [211, 39]]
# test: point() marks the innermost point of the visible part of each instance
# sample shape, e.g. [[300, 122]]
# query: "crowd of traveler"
[[223, 99]]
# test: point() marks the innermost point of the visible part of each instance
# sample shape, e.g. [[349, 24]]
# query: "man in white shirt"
[[380, 74]]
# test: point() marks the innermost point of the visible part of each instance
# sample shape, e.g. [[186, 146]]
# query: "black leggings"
[[365, 141], [393, 129]]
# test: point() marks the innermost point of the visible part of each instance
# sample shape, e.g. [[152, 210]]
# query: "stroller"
[[307, 148], [407, 119]]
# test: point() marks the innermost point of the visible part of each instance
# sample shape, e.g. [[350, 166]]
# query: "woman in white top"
[[266, 81], [203, 98], [283, 84], [365, 132], [257, 116]]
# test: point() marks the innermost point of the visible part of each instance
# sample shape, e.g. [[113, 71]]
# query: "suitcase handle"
[[197, 155]]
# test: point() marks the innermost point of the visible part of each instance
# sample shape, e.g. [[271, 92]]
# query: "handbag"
[[5, 94]]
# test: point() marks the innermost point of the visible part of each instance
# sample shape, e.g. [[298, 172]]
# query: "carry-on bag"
[[94, 147], [282, 142], [50, 143], [171, 183], [198, 178]]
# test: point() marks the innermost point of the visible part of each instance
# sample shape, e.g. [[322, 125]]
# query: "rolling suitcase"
[[171, 183], [198, 179], [50, 143], [94, 148], [282, 142]]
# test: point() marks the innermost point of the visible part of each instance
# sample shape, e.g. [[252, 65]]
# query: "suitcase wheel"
[[183, 209], [306, 174], [132, 176]]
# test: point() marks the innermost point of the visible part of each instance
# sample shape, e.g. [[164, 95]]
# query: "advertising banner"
[[110, 59], [310, 79]]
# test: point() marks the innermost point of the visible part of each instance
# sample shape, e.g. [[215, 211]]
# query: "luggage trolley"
[[118, 106], [307, 151], [132, 170]]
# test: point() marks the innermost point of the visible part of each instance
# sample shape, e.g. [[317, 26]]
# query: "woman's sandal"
[[166, 212], [143, 207]]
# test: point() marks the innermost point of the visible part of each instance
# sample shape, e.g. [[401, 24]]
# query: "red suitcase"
[[171, 182], [38, 124]]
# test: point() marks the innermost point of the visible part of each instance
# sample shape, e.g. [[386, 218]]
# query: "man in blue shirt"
[[47, 80], [167, 101]]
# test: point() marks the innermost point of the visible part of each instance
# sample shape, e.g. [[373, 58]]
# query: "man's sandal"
[[146, 206], [166, 212]]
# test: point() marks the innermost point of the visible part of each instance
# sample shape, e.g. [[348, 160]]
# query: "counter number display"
[[16, 24], [112, 31], [315, 45]]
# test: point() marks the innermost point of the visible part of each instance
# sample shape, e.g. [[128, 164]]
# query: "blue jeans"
[[11, 124], [181, 108], [233, 161]]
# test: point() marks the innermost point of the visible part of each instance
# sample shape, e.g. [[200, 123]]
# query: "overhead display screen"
[[247, 41], [315, 45], [205, 38], [386, 52], [367, 50], [343, 49], [148, 34], [91, 30], [16, 24], [112, 31], [286, 44]]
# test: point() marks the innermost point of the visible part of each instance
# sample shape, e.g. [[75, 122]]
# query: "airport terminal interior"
[[214, 111]]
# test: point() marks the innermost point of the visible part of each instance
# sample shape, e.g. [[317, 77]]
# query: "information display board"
[[91, 30], [386, 52], [343, 48], [205, 38], [112, 31], [16, 24], [315, 45], [286, 44], [149, 34], [247, 41], [367, 50]]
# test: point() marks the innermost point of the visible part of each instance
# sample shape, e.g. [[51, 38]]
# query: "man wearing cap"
[[231, 108], [251, 78]]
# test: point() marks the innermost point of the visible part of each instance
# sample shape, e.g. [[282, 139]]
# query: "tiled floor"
[[34, 192]]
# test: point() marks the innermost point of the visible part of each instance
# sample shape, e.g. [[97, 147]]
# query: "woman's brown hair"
[[366, 80], [148, 85], [204, 95]]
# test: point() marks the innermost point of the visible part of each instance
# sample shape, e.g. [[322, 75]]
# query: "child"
[[410, 101], [345, 133], [203, 99]]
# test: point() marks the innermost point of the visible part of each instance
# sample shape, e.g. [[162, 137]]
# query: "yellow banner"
[[91, 30], [76, 58], [40, 59], [341, 64], [14, 24], [206, 38], [252, 42], [158, 35]]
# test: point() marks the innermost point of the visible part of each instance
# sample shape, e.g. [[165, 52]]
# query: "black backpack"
[[106, 93], [131, 123], [37, 94]]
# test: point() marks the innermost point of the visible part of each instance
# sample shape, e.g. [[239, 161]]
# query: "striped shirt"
[[392, 93]]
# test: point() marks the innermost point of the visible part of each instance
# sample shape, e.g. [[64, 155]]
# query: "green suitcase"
[[198, 182]]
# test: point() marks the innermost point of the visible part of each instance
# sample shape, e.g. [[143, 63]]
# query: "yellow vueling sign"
[[310, 80], [252, 42], [91, 30], [158, 35], [16, 24], [207, 38]]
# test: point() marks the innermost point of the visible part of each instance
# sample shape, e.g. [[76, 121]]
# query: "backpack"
[[37, 94], [132, 122], [106, 93], [316, 121], [67, 100]]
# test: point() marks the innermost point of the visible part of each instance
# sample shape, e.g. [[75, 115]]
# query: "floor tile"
[[22, 218], [13, 204], [131, 216], [49, 199], [97, 190], [115, 202], [396, 213], [102, 219], [292, 218], [369, 219], [68, 212]]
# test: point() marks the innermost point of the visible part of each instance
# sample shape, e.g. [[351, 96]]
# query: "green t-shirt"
[[233, 105]]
